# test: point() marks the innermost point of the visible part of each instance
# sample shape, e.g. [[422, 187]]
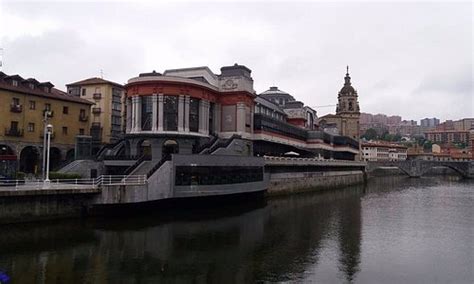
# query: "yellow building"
[[107, 111], [23, 103]]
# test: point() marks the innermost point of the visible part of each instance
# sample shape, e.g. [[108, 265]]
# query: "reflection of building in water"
[[350, 225], [275, 243]]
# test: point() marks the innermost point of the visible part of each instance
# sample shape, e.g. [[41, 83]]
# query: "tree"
[[370, 134], [427, 145]]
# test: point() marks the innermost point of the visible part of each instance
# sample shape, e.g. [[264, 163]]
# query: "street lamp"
[[49, 131]]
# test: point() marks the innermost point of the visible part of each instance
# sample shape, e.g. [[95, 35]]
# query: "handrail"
[[158, 165], [203, 147], [84, 183], [224, 144], [108, 146], [137, 163]]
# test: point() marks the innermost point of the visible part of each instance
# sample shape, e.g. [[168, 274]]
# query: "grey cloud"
[[395, 50]]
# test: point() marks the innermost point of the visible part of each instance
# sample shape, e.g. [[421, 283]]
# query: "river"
[[393, 230]]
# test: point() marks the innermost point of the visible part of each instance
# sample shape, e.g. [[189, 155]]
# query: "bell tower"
[[348, 109]]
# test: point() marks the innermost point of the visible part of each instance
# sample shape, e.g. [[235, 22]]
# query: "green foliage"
[[370, 134], [56, 175], [427, 145]]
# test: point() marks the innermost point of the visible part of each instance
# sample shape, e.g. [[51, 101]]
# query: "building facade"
[[347, 111], [194, 111], [107, 111], [383, 152], [448, 137], [24, 105]]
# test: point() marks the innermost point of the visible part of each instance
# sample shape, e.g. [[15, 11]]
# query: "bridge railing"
[[79, 183], [295, 160]]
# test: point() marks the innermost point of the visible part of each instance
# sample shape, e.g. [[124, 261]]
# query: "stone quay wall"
[[28, 206], [297, 182]]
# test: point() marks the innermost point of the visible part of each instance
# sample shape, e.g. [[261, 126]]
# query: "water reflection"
[[282, 241]]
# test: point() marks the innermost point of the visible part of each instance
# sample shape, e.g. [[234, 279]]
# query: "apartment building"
[[25, 104]]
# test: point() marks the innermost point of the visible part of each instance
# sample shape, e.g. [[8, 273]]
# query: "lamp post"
[[49, 131], [46, 114]]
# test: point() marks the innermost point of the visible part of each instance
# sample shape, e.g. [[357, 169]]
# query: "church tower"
[[348, 109]]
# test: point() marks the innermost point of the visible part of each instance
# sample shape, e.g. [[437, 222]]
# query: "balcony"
[[83, 118], [15, 132], [16, 108], [97, 96], [96, 110]]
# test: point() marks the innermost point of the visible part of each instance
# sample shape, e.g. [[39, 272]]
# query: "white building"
[[383, 152]]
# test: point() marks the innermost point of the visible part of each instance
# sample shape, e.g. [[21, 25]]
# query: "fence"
[[85, 183]]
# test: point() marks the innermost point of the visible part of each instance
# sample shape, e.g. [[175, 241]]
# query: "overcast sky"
[[414, 59]]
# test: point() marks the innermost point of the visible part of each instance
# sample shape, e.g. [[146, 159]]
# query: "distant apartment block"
[[107, 110], [443, 137], [429, 122]]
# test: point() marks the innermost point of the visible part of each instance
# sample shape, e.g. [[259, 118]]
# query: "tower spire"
[[347, 79]]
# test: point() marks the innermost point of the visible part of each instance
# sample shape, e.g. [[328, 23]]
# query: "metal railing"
[[79, 183]]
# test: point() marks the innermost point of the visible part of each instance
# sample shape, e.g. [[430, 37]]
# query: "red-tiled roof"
[[93, 81], [384, 145], [55, 94]]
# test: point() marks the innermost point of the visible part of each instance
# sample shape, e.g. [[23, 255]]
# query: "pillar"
[[154, 120], [217, 118], [134, 115], [129, 116], [240, 117], [181, 113], [186, 113], [202, 112], [160, 112], [138, 116]]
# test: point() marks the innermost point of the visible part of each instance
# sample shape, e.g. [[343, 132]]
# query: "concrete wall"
[[84, 167], [17, 209], [296, 182]]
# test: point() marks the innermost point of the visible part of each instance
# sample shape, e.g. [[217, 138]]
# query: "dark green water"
[[392, 231]]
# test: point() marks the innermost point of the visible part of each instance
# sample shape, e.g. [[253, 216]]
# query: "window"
[[31, 85], [16, 101], [47, 107], [32, 105], [81, 131], [64, 130], [170, 115], [147, 113], [75, 91], [31, 127], [193, 115], [83, 92], [212, 175], [65, 110], [15, 83], [14, 126], [82, 112], [211, 118]]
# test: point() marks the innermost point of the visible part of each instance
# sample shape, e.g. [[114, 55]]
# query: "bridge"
[[417, 168]]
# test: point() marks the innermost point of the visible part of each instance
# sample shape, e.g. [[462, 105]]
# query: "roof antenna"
[[101, 74], [347, 68]]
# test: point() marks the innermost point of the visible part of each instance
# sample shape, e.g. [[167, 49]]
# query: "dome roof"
[[347, 89], [274, 91]]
